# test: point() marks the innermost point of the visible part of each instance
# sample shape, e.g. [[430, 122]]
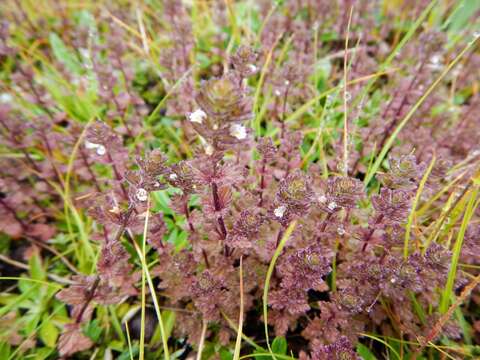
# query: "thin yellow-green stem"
[[154, 298], [202, 340], [442, 351], [271, 267], [128, 340], [457, 248], [142, 316], [411, 216], [380, 340], [406, 119], [238, 342], [244, 337], [345, 99]]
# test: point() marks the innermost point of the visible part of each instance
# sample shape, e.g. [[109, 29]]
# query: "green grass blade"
[[457, 248], [271, 267], [414, 207]]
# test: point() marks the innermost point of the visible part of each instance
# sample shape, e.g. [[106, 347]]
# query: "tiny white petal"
[[197, 116], [332, 205], [141, 194], [6, 98], [287, 82], [278, 92], [252, 68], [279, 211], [238, 131], [173, 177], [393, 280], [208, 149], [340, 231], [115, 210], [101, 150], [322, 199], [90, 145]]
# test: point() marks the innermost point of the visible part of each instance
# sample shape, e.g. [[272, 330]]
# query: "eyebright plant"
[[183, 162]]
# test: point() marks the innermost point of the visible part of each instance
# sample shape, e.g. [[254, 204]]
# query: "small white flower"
[[341, 231], [238, 131], [173, 176], [208, 149], [475, 153], [393, 280], [141, 194], [332, 205], [156, 184], [287, 83], [252, 68], [322, 199], [197, 116], [6, 98], [435, 59], [89, 145], [277, 92], [101, 150], [115, 210], [279, 211]]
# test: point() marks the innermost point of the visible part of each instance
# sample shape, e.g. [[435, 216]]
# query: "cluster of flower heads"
[[243, 211], [224, 105]]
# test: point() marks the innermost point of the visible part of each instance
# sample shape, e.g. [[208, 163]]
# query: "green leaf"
[[461, 15], [64, 55], [365, 352], [225, 355], [5, 350], [93, 330], [48, 332], [36, 269], [279, 345], [126, 354]]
